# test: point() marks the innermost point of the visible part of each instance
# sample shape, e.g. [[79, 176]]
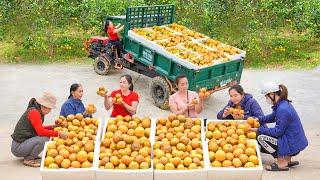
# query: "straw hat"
[[48, 100]]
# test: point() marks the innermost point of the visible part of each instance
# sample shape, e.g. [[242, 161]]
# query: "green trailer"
[[148, 61]]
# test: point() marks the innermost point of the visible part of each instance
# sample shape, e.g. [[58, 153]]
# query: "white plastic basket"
[[126, 174], [67, 174], [196, 174], [99, 130], [223, 173]]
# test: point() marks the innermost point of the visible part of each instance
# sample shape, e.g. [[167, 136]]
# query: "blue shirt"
[[288, 129], [248, 104], [72, 106]]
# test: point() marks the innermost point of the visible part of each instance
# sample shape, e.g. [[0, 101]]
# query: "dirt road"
[[21, 82]]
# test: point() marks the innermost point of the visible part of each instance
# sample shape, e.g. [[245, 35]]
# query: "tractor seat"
[[101, 39]]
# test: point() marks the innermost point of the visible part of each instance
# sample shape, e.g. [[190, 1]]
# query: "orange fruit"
[[249, 165], [187, 161], [256, 124], [176, 161], [169, 166], [243, 158], [72, 157], [160, 166], [254, 159], [48, 160], [227, 148], [58, 159], [252, 135], [134, 165], [216, 134], [145, 123], [52, 153], [236, 162], [239, 132], [250, 121], [139, 132], [86, 164], [89, 146], [82, 156], [237, 152], [109, 165], [202, 95], [226, 163], [250, 151], [229, 156], [53, 166], [75, 164], [65, 163], [144, 165], [230, 132], [192, 166], [216, 164], [220, 155]]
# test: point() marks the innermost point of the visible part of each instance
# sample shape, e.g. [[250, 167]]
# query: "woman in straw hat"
[[30, 134]]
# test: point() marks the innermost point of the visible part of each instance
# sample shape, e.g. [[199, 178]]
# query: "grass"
[[9, 51]]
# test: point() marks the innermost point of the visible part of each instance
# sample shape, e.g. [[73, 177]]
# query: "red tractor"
[[97, 44], [106, 56]]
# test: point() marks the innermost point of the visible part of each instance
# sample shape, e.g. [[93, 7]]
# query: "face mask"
[[269, 101]]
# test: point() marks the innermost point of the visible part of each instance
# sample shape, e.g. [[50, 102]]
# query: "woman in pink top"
[[185, 102]]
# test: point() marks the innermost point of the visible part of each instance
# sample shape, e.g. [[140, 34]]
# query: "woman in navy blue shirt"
[[74, 104], [287, 138], [240, 99]]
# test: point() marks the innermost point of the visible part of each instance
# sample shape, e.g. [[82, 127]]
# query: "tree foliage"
[[57, 28]]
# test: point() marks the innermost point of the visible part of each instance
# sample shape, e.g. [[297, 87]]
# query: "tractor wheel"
[[101, 65], [160, 92], [93, 50]]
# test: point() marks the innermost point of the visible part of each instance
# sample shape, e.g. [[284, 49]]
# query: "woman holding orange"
[[185, 102], [124, 101], [240, 106]]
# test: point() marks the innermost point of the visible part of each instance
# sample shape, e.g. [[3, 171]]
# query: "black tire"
[[101, 65], [94, 50], [160, 92]]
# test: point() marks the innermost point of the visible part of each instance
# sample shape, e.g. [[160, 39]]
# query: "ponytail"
[[33, 103], [283, 93]]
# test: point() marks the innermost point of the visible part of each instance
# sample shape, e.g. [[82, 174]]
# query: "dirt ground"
[[21, 82]]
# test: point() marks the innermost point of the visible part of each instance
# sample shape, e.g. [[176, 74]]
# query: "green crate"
[[146, 16]]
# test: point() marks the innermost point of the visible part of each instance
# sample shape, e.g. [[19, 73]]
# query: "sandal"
[[293, 163], [31, 163], [275, 167]]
